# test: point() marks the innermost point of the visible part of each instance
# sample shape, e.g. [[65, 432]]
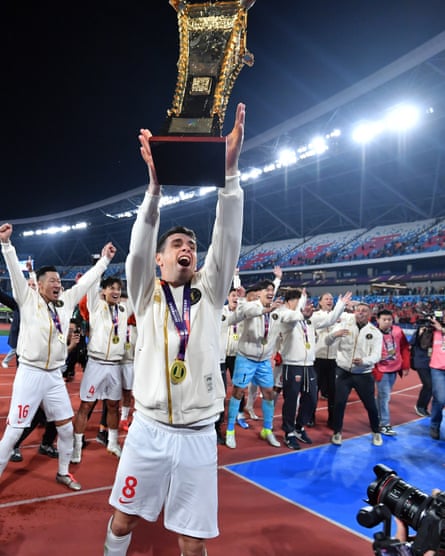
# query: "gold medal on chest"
[[178, 371], [115, 339]]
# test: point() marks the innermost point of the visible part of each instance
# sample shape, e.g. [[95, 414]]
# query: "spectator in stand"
[[395, 359], [421, 343]]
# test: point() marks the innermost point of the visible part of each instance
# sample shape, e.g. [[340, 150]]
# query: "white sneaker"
[[377, 439], [114, 450], [268, 435], [4, 365], [252, 414], [230, 439], [336, 439], [76, 456]]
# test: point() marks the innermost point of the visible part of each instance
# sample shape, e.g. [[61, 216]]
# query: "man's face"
[[308, 309], [362, 314], [385, 322], [292, 303], [177, 261], [112, 293], [232, 300], [326, 302], [266, 296], [50, 286], [252, 296]]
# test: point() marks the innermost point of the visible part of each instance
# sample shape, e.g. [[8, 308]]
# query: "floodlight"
[[286, 157], [402, 117], [367, 131], [318, 145]]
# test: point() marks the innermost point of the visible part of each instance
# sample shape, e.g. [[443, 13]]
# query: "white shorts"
[[127, 375], [32, 387], [175, 468], [101, 381]]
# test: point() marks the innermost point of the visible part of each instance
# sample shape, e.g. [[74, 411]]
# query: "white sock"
[[116, 546], [10, 437], [112, 437], [78, 437], [65, 446]]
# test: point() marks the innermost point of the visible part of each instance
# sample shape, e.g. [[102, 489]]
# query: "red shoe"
[[124, 424]]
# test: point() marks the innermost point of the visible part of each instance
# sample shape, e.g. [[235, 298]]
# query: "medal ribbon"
[[55, 318], [266, 325], [182, 323], [114, 311], [304, 326]]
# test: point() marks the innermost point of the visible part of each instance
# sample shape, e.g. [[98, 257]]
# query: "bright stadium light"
[[287, 157], [367, 131], [318, 145], [52, 230], [402, 117]]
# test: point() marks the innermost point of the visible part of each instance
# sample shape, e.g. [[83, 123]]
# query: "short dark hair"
[[264, 284], [109, 281], [175, 230], [43, 270], [384, 312], [292, 293]]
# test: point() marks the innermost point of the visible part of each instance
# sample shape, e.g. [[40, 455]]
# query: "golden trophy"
[[212, 51]]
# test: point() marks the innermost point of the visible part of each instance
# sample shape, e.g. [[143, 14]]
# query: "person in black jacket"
[[420, 362]]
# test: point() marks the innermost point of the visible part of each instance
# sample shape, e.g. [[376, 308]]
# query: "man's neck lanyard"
[[266, 328], [178, 369], [307, 343], [114, 311], [56, 320]]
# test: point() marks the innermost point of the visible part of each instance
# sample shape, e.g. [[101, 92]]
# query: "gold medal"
[[178, 371], [115, 339], [308, 345], [235, 337], [127, 345], [264, 341]]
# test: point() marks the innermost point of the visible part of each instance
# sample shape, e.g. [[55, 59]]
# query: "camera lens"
[[406, 502]]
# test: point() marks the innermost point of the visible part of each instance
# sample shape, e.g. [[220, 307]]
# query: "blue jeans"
[[384, 388], [438, 380]]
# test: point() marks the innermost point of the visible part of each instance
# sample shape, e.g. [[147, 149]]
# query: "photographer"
[[421, 343], [402, 535], [392, 497], [437, 365]]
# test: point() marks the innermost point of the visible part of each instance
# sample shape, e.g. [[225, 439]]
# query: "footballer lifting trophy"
[[212, 51]]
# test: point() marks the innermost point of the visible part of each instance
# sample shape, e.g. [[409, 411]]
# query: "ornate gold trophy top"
[[212, 52]]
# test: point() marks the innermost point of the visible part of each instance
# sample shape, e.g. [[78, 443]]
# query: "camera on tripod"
[[389, 495]]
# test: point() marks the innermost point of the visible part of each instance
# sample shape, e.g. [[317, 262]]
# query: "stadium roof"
[[396, 178]]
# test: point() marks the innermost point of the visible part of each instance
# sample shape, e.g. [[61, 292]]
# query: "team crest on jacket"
[[121, 308], [195, 296], [223, 317], [369, 336], [274, 316], [58, 303]]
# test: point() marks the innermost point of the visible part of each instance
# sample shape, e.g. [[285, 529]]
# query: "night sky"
[[77, 84]]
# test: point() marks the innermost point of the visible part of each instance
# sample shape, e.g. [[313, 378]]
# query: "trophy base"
[[189, 161]]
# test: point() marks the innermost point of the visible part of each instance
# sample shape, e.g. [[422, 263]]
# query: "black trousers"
[[298, 382], [426, 392], [325, 369], [364, 385]]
